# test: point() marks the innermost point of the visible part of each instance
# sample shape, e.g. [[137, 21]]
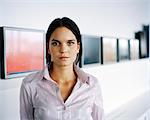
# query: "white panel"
[[121, 82], [1, 13], [118, 19]]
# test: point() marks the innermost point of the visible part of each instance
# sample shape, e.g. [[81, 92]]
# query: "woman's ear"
[[48, 46], [78, 47], [49, 52]]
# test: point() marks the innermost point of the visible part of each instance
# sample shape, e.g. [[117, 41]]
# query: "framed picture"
[[143, 37], [21, 51], [109, 46], [134, 49], [123, 49], [91, 50]]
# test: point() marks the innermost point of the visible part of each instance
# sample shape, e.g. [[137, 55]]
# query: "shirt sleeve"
[[97, 109], [26, 107]]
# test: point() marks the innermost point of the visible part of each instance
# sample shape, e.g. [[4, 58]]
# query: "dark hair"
[[71, 25]]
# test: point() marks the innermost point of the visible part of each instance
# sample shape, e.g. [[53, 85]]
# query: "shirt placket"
[[62, 109]]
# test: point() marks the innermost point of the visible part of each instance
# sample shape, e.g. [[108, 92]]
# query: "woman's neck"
[[63, 74]]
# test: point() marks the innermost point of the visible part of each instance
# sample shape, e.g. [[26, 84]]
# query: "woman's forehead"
[[62, 33]]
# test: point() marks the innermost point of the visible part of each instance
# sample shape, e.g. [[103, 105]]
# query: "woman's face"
[[63, 47]]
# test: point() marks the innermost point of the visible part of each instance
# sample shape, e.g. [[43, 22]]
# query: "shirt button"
[[64, 107]]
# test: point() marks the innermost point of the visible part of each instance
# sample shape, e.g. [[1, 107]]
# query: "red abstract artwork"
[[24, 51]]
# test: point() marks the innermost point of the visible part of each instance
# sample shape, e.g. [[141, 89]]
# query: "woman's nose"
[[63, 48]]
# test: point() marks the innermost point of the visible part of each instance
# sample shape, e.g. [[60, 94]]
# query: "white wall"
[[119, 19], [149, 26], [1, 12], [122, 82], [149, 11]]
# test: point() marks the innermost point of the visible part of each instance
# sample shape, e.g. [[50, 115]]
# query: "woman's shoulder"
[[90, 78], [85, 76], [33, 77], [93, 79]]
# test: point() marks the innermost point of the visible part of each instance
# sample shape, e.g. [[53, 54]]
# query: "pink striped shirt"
[[40, 98]]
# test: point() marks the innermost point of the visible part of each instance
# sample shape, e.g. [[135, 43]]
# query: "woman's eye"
[[70, 43], [55, 43]]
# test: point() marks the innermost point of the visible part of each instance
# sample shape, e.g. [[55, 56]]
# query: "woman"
[[62, 91]]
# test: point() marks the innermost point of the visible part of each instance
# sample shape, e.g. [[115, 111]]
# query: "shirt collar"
[[82, 76]]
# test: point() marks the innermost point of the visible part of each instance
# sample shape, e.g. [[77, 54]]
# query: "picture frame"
[[134, 49], [143, 37], [22, 51], [109, 48], [91, 50], [123, 49]]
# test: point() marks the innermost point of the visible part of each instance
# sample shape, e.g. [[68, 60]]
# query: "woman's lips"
[[64, 58]]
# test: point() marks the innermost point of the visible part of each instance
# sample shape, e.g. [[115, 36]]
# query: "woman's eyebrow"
[[60, 41], [55, 40], [71, 40]]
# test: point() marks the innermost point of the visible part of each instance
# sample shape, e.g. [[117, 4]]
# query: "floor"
[[136, 109]]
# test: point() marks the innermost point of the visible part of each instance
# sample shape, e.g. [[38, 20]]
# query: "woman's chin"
[[64, 63]]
